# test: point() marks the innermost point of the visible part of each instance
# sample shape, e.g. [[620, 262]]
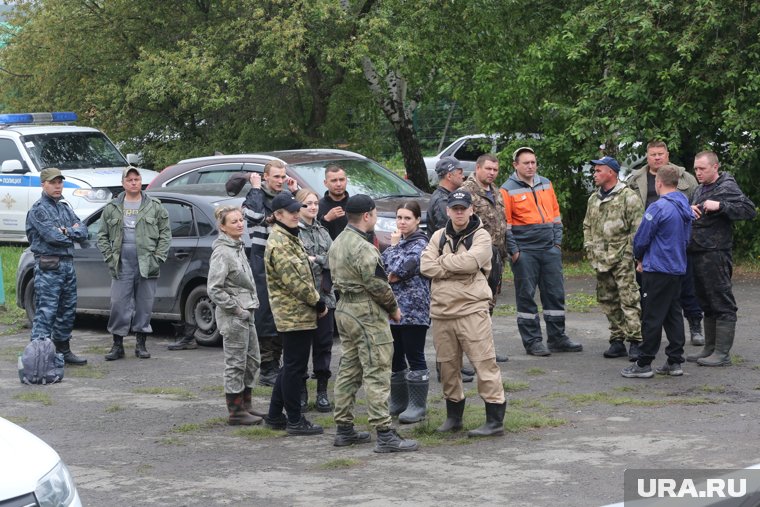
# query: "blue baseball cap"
[[609, 162]]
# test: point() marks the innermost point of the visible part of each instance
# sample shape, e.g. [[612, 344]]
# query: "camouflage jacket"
[[609, 226], [358, 270], [316, 241], [43, 227], [490, 210], [292, 289], [230, 280], [412, 290]]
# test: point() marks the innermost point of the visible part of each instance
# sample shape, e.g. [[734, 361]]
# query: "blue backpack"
[[40, 363]]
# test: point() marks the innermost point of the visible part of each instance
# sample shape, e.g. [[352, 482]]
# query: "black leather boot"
[[117, 349], [390, 441], [267, 374], [185, 337], [323, 402], [68, 356], [347, 435], [140, 350]]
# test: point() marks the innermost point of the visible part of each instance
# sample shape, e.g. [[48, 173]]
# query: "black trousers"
[[409, 347], [712, 275], [296, 346], [661, 308], [322, 342]]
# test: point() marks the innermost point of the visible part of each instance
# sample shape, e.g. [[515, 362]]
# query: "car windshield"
[[73, 150], [364, 177]]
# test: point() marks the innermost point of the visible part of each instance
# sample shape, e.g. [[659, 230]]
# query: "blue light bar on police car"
[[31, 118]]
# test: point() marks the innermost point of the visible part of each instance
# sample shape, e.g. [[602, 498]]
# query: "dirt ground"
[[151, 432]]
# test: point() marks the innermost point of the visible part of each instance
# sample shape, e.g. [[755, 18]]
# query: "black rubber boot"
[[68, 356], [238, 415], [185, 337], [323, 402], [117, 349], [709, 347], [695, 330], [418, 382], [454, 414], [390, 441], [140, 350], [248, 403], [494, 426], [617, 349], [347, 435], [399, 398], [725, 331], [303, 427]]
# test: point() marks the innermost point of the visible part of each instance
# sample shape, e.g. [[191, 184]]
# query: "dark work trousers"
[[712, 277], [321, 345], [660, 307], [688, 297], [409, 347], [296, 346], [542, 269], [689, 301]]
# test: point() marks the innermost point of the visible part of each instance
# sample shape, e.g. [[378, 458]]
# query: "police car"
[[89, 161]]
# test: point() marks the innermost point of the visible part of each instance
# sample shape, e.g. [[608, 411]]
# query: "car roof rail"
[[227, 157]]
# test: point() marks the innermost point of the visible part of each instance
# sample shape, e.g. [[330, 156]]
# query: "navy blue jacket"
[[43, 227], [412, 291], [660, 243]]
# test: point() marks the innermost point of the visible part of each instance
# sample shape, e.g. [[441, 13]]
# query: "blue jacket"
[[412, 291], [43, 227], [660, 243]]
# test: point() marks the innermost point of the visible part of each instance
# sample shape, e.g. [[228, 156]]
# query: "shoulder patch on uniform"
[[648, 216], [40, 214]]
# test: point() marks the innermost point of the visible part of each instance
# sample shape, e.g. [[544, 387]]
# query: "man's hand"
[[393, 278], [639, 266], [292, 184], [334, 213], [395, 238], [396, 317], [255, 179], [707, 206], [324, 312], [515, 256]]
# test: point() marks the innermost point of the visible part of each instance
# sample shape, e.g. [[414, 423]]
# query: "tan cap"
[[50, 174], [129, 169], [523, 149]]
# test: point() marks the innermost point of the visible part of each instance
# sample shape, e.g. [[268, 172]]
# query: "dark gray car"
[[181, 291]]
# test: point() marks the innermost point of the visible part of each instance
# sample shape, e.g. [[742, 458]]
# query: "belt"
[[354, 297]]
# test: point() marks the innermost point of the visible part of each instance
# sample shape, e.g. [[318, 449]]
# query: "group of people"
[[662, 248], [660, 244]]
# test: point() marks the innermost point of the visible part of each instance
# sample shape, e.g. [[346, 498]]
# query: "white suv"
[[30, 142]]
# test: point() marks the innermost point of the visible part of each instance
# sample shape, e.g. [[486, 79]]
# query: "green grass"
[[87, 371], [258, 433], [535, 371], [96, 350], [504, 311], [580, 302], [196, 427], [35, 397], [114, 408], [176, 393], [11, 315], [512, 386], [616, 400], [737, 360], [712, 389], [339, 464], [262, 391]]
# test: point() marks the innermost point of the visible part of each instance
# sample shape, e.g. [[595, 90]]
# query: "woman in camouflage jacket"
[[296, 306], [231, 288]]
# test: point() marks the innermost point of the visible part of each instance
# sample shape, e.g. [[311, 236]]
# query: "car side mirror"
[[12, 166], [134, 159]]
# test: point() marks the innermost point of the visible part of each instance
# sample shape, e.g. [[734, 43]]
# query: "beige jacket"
[[459, 275]]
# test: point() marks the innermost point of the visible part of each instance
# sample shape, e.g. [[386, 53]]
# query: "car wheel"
[[199, 311], [29, 299]]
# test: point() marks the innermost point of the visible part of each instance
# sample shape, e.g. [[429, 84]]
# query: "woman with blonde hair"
[[231, 288], [316, 241]]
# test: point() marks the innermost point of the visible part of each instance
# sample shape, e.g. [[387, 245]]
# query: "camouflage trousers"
[[366, 356], [618, 294], [241, 351], [55, 301]]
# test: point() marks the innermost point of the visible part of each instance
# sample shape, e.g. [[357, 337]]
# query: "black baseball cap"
[[285, 200], [360, 203], [459, 197]]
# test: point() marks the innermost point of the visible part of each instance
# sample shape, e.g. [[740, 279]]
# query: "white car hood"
[[102, 177], [24, 460]]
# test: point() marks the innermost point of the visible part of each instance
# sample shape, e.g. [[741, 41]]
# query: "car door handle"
[[182, 254]]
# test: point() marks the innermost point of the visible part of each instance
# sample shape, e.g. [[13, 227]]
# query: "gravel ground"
[[152, 432]]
